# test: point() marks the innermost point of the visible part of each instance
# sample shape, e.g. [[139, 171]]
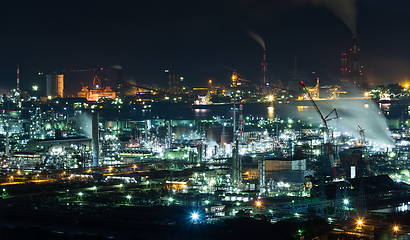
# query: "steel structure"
[[325, 119], [264, 77]]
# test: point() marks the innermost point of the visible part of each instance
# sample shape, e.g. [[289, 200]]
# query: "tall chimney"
[[343, 68], [264, 77], [18, 78], [356, 72]]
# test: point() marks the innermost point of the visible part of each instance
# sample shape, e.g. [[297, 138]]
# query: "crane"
[[361, 133], [325, 119], [362, 142]]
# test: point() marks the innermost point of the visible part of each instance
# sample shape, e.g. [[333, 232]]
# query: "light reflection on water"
[[271, 113], [262, 110], [200, 113]]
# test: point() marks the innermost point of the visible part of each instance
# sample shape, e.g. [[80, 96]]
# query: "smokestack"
[[344, 79], [264, 77], [223, 134], [240, 127], [18, 78], [356, 72], [120, 81], [234, 123], [236, 165], [95, 139]]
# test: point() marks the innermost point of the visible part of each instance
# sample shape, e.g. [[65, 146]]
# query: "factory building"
[[354, 162], [286, 170], [55, 85]]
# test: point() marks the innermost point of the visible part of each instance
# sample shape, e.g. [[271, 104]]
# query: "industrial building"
[[55, 85]]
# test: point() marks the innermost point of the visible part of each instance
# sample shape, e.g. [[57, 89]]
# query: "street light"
[[395, 229], [345, 201], [359, 224]]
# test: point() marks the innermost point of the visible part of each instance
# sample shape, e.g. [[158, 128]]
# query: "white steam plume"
[[364, 113], [255, 36], [344, 9], [116, 66], [84, 122]]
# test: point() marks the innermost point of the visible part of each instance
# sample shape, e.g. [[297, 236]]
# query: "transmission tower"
[[321, 207], [361, 201], [341, 201]]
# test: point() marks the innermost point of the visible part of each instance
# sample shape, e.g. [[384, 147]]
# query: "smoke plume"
[[364, 113], [343, 9], [116, 66], [255, 36]]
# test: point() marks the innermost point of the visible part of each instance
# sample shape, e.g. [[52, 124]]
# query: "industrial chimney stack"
[[355, 72], [264, 77], [18, 78], [344, 79]]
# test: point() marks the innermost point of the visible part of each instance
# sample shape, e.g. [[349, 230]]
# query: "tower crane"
[[325, 119], [362, 142], [361, 133]]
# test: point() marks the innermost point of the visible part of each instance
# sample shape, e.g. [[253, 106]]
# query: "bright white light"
[[195, 216]]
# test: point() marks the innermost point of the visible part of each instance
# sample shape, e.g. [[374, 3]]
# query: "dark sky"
[[200, 40]]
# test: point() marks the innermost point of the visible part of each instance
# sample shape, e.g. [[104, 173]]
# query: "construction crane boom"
[[325, 120]]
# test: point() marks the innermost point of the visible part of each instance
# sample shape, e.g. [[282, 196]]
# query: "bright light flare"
[[195, 216]]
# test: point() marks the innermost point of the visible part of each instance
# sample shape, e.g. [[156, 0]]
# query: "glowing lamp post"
[[359, 224]]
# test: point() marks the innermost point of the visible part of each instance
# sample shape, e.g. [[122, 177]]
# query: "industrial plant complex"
[[174, 120], [121, 153]]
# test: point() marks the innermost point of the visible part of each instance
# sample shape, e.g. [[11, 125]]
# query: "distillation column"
[[95, 138]]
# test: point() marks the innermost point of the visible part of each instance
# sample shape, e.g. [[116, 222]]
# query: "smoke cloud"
[[116, 66], [344, 9], [255, 36], [131, 81], [363, 113], [84, 122]]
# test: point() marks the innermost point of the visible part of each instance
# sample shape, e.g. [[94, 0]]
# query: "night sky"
[[201, 40]]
